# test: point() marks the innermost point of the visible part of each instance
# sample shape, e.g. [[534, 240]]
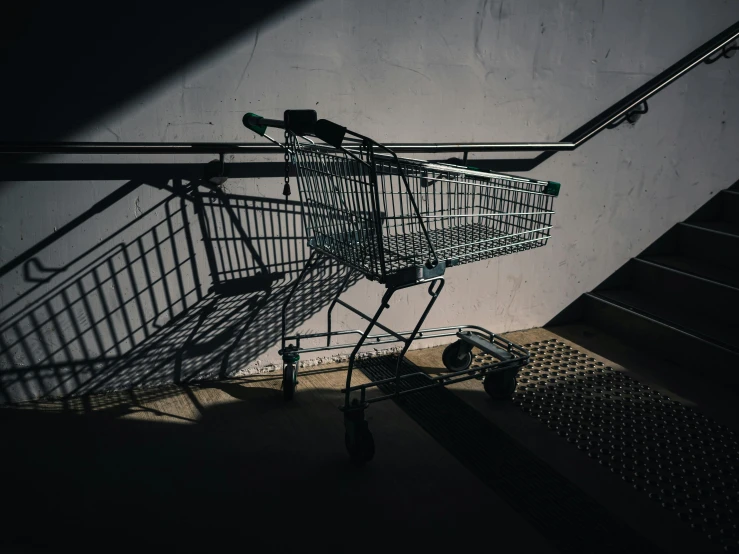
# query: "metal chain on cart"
[[286, 189]]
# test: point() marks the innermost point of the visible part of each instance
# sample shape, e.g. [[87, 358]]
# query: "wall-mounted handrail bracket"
[[727, 51], [632, 116]]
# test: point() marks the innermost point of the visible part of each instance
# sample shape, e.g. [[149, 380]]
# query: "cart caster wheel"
[[500, 385], [361, 446], [451, 359], [289, 381]]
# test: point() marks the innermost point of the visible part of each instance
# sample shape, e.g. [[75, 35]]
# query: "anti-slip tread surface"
[[560, 512], [675, 455]]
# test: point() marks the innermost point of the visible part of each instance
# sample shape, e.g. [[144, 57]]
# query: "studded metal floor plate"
[[557, 509], [677, 456]]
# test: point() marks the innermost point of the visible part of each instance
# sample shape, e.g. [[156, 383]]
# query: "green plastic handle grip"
[[251, 121]]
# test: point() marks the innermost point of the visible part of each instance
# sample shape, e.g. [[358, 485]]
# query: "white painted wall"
[[397, 71]]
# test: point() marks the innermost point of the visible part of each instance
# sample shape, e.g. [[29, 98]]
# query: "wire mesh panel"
[[469, 215], [340, 204], [382, 214]]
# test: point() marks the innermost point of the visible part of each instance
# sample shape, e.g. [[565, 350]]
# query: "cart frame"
[[504, 358]]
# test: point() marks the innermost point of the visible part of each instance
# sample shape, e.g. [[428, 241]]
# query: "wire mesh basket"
[[385, 215]]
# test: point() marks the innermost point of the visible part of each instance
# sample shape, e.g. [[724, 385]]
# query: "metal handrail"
[[723, 44]]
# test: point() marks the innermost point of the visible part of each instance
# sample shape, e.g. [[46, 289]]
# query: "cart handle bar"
[[299, 122]]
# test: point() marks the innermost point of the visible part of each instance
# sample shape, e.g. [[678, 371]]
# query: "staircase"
[[679, 299]]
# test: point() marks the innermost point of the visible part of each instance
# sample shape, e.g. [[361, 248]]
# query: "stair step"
[[694, 297], [718, 226], [730, 206], [712, 241], [679, 299], [666, 340], [699, 268], [723, 207], [675, 314]]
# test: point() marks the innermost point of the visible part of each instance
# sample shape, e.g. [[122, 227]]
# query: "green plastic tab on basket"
[[258, 129], [552, 188]]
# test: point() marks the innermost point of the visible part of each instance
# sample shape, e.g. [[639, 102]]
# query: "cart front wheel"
[[360, 445], [500, 385], [289, 381], [452, 360]]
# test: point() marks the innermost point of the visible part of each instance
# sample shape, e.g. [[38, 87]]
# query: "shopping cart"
[[403, 222]]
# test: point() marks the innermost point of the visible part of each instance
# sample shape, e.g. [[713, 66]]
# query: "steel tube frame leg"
[[434, 295], [407, 342], [384, 305]]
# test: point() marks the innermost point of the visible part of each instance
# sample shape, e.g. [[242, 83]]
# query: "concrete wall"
[[122, 299]]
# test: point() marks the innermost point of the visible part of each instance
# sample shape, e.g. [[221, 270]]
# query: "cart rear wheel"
[[289, 381], [360, 445], [500, 385], [451, 358]]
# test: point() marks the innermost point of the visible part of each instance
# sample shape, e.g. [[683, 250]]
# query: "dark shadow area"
[[228, 463], [231, 464], [132, 310], [72, 62], [240, 476]]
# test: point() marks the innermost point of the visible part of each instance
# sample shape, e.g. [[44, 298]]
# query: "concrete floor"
[[205, 468], [230, 464]]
